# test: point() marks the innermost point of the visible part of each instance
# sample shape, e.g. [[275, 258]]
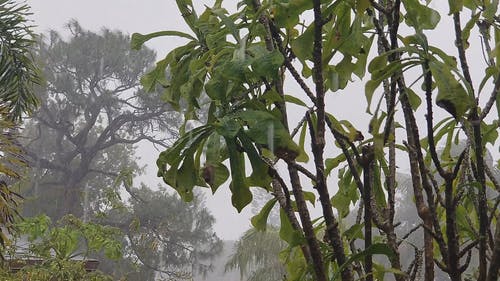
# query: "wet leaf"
[[259, 221]]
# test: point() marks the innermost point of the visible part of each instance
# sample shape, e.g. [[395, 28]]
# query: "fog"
[[132, 16]]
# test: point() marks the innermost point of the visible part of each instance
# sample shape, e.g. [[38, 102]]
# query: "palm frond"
[[256, 255], [12, 162], [18, 72]]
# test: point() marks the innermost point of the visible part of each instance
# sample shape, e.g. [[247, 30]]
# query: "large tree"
[[418, 95], [82, 147], [92, 114]]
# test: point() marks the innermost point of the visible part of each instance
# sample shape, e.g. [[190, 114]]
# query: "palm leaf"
[[18, 73]]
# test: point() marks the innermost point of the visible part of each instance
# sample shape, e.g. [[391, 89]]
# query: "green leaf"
[[215, 175], [361, 6], [332, 163], [374, 249], [302, 45], [216, 88], [268, 64], [228, 126], [451, 94], [260, 169], [138, 39], [455, 6], [241, 195], [295, 100], [413, 98], [157, 75], [228, 22], [186, 179], [287, 233], [347, 193], [259, 221], [354, 232], [213, 149], [303, 157], [309, 196], [491, 8], [490, 71], [377, 63], [265, 129], [420, 16], [468, 27]]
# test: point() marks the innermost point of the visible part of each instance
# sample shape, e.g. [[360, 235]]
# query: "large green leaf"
[[215, 174], [451, 96], [241, 195], [137, 39], [265, 129], [157, 75], [288, 233], [332, 163], [267, 65], [260, 169], [374, 249], [228, 126], [420, 16], [182, 152], [259, 221], [302, 46]]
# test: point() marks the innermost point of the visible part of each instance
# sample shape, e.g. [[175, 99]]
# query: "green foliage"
[[63, 249], [238, 64], [18, 72], [82, 146]]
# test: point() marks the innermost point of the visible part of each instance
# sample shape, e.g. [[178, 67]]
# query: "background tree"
[[92, 114], [257, 256], [81, 144], [241, 60], [166, 237]]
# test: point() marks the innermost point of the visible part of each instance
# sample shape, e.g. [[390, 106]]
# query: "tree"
[[81, 144], [256, 256], [241, 61], [166, 237], [93, 113], [18, 74]]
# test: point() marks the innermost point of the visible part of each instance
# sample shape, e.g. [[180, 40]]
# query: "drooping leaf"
[[241, 195], [302, 45], [413, 98], [260, 170], [420, 16], [332, 163], [267, 65], [354, 232], [137, 39], [374, 249], [288, 233], [215, 174], [303, 157], [451, 94], [295, 100], [259, 221], [265, 129]]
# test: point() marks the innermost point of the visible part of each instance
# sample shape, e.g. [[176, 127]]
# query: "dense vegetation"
[[421, 100]]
